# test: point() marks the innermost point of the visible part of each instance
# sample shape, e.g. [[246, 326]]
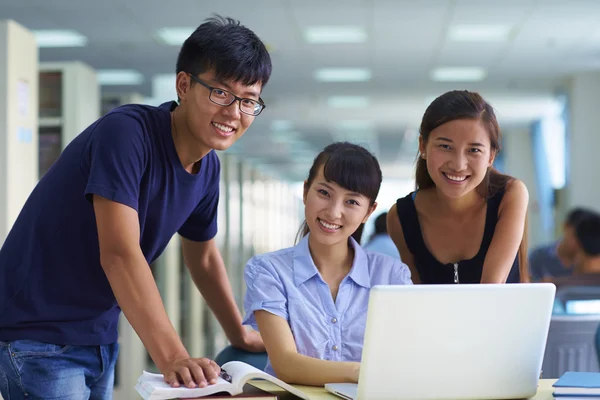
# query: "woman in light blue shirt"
[[309, 302]]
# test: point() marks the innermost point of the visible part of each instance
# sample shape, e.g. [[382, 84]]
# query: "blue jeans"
[[36, 370]]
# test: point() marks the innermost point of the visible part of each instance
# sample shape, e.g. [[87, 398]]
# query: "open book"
[[236, 373]]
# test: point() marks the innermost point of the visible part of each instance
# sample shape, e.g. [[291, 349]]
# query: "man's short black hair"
[[587, 232], [229, 49], [578, 214]]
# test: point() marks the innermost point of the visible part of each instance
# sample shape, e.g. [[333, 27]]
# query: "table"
[[318, 393]]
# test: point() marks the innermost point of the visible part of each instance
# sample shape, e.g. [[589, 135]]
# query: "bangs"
[[353, 172], [248, 72]]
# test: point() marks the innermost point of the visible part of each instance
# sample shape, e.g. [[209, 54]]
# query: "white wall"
[[582, 146], [516, 144], [18, 121]]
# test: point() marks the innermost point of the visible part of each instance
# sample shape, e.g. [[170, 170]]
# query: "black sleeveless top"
[[430, 270]]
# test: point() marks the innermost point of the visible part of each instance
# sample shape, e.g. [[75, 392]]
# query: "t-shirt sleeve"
[[264, 290], [202, 224], [538, 259], [115, 160], [400, 274]]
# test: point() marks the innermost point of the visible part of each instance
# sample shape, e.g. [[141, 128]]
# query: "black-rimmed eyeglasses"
[[224, 98]]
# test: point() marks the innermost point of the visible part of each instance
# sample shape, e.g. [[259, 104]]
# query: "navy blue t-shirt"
[[52, 286]]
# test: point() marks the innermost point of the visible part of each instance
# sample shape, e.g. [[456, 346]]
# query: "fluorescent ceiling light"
[[458, 74], [119, 77], [286, 136], [355, 124], [174, 36], [335, 34], [479, 33], [343, 74], [348, 102], [354, 136], [59, 38], [281, 125]]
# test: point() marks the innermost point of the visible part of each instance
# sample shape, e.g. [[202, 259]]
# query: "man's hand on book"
[[251, 341], [192, 372]]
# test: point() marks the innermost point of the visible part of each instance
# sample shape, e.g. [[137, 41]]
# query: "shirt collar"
[[360, 266], [305, 268]]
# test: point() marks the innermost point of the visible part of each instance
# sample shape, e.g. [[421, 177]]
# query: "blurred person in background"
[[582, 242], [380, 241], [556, 260]]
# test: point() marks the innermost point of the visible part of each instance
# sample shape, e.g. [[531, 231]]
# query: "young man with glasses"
[[80, 250]]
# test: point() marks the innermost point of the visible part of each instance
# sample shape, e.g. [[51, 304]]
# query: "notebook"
[[234, 376], [577, 384]]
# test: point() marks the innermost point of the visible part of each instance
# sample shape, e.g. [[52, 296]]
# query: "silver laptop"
[[453, 342]]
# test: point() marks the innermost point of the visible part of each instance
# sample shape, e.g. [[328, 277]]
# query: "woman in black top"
[[466, 222]]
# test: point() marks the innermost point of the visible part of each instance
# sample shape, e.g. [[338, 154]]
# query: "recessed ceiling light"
[[119, 77], [343, 74], [348, 102], [479, 33], [59, 38], [174, 36], [335, 34], [458, 74]]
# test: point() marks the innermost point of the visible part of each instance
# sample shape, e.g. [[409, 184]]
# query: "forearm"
[[497, 266], [213, 283], [494, 278], [495, 270], [299, 369], [136, 292]]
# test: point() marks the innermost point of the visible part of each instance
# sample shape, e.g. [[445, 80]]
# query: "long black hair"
[[352, 167]]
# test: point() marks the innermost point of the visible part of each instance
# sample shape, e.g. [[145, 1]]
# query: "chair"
[[230, 353], [572, 345], [597, 343], [567, 294]]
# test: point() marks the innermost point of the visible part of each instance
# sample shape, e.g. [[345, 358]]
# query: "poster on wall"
[[23, 98]]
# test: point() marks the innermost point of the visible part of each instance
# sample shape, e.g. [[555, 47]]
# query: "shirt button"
[[334, 320], [335, 348]]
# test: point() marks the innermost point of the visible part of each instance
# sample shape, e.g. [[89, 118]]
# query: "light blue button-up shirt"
[[287, 283]]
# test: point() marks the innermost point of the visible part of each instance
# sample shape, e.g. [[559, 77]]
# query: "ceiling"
[[548, 41]]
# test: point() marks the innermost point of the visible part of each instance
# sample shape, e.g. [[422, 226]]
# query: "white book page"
[[152, 386], [241, 373]]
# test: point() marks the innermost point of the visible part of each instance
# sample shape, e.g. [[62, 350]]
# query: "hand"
[[192, 372], [250, 341]]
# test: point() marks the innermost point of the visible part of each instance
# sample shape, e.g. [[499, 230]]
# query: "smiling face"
[[458, 155], [210, 125], [332, 212]]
